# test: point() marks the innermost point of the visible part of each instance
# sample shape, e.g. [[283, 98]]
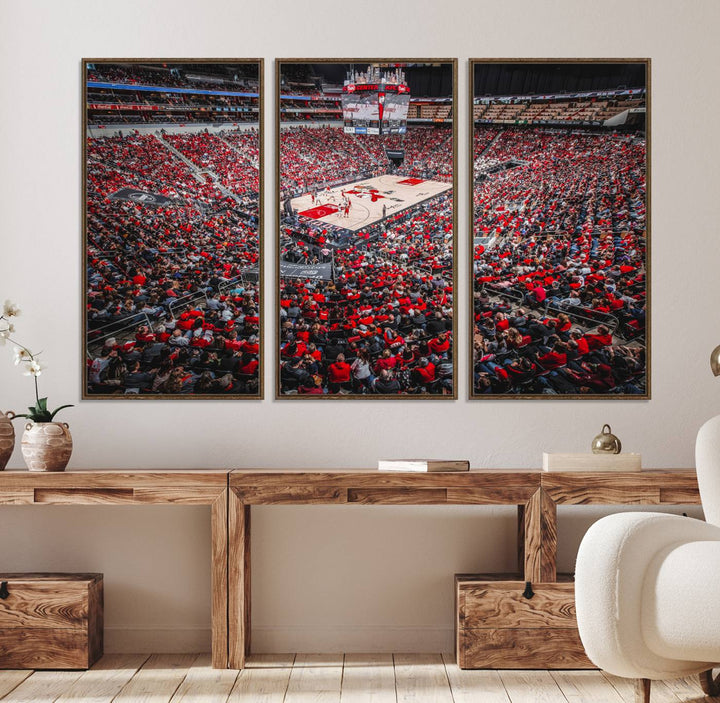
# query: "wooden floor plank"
[[43, 687], [586, 687], [105, 680], [421, 677], [316, 678], [686, 688], [203, 684], [368, 678], [11, 679], [157, 681], [474, 685], [264, 679], [659, 692], [531, 687]]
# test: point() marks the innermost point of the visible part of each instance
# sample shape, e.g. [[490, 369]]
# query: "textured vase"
[[46, 446], [7, 437]]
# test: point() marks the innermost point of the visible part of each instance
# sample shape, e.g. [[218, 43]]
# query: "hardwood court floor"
[[321, 678]]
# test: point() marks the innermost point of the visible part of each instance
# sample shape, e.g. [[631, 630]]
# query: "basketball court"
[[370, 200]]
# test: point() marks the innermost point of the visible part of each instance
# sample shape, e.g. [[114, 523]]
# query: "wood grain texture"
[[627, 689], [478, 478], [83, 496], [368, 678], [540, 538], [316, 678], [263, 680], [531, 687], [46, 648], [502, 605], [585, 687], [291, 495], [41, 687], [421, 677], [51, 621], [9, 680], [392, 496], [522, 648], [158, 680], [17, 497], [238, 567], [105, 680], [219, 580], [633, 488], [203, 684], [45, 603], [474, 686], [89, 479], [96, 620]]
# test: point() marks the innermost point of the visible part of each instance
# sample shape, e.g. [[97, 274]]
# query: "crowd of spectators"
[[317, 156], [170, 78], [559, 280], [172, 302], [384, 325]]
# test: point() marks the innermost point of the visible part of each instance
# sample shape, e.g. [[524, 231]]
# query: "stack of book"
[[422, 465]]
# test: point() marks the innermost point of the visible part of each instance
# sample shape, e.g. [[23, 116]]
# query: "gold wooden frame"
[[260, 62], [277, 358], [471, 179]]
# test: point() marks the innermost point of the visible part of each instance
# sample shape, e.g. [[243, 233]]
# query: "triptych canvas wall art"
[[365, 228]]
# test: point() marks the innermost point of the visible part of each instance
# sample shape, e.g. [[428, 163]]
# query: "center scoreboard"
[[375, 101]]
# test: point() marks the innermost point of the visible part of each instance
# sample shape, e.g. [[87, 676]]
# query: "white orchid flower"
[[22, 355], [10, 309], [33, 368]]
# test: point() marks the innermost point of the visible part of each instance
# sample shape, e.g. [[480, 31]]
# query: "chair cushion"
[[681, 602]]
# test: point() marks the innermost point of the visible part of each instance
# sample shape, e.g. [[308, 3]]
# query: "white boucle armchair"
[[647, 586]]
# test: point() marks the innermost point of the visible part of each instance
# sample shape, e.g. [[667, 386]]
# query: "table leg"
[[219, 615], [238, 582], [537, 538]]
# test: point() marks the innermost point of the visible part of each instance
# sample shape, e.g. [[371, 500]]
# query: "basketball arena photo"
[[559, 193], [367, 226], [172, 221]]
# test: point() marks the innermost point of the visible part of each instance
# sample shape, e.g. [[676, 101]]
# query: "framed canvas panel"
[[560, 166], [366, 153], [172, 211]]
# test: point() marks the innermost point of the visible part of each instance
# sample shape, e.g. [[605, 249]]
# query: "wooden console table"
[[200, 487], [537, 495], [231, 495]]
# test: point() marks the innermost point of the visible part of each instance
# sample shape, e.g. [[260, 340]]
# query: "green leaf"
[[57, 410], [33, 409], [42, 404]]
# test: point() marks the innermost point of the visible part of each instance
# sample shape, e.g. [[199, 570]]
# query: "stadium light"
[[715, 361]]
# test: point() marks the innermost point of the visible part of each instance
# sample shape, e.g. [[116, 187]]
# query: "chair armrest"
[[612, 563]]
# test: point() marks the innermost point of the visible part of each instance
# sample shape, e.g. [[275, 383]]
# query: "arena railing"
[[114, 329]]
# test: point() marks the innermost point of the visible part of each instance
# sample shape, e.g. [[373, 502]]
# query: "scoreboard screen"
[[394, 118], [375, 102], [361, 112]]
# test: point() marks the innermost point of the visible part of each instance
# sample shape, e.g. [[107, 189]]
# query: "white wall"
[[367, 577]]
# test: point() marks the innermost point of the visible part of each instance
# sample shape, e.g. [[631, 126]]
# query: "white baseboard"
[[272, 640], [352, 638], [149, 640]]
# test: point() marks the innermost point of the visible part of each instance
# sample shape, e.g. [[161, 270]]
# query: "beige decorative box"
[[592, 462]]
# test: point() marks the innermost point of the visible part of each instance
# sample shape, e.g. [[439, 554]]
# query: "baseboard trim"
[[277, 640], [147, 640], [352, 639]]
